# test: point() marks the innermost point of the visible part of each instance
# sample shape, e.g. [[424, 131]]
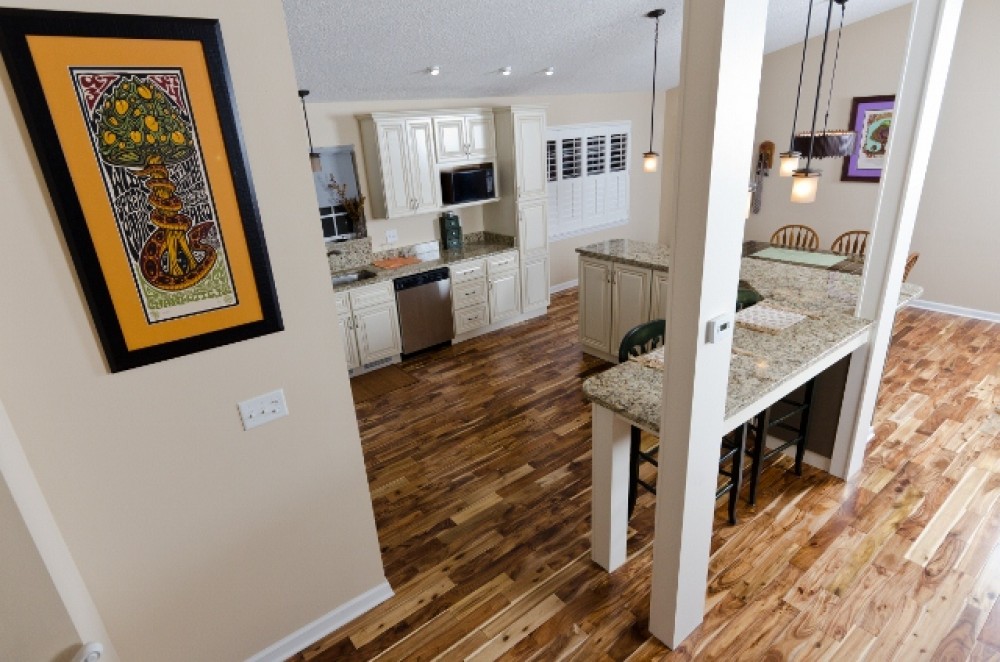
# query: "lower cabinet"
[[535, 283], [485, 291], [368, 324], [614, 298]]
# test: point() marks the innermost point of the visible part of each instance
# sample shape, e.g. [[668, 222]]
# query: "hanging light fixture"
[[828, 143], [314, 161], [651, 159]]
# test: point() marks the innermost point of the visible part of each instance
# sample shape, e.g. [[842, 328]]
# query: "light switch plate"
[[263, 409], [391, 236]]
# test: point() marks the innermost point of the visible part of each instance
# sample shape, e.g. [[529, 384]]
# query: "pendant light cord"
[[652, 105], [306, 118], [802, 68], [819, 84], [833, 73]]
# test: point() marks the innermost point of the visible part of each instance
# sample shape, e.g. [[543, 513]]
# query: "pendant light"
[[829, 143], [314, 161], [651, 159], [790, 160]]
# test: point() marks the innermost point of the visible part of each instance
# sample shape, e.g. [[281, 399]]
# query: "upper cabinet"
[[399, 161], [466, 137], [529, 153], [405, 154]]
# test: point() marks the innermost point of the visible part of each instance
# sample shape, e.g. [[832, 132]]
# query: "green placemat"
[[802, 257]]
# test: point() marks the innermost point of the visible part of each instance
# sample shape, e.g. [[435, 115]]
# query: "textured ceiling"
[[381, 49]]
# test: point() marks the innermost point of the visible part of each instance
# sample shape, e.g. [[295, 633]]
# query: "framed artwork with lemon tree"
[[136, 134]]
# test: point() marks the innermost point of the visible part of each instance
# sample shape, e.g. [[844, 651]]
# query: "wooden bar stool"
[[764, 422], [640, 340]]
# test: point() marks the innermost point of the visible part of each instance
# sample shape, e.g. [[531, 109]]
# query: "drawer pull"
[[467, 271]]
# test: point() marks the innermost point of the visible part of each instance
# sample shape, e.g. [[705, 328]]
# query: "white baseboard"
[[324, 625], [564, 286], [956, 310], [810, 458]]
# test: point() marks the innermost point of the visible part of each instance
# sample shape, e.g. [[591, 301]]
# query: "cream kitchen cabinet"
[[614, 298], [400, 165], [369, 325], [468, 137], [535, 283], [529, 152], [503, 276], [659, 301]]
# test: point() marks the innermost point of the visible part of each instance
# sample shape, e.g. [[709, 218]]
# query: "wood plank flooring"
[[480, 479]]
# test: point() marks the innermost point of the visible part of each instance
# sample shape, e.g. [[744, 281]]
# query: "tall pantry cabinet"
[[522, 210]]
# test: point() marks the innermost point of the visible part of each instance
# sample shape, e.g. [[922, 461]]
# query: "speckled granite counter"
[[762, 364], [630, 251], [449, 257]]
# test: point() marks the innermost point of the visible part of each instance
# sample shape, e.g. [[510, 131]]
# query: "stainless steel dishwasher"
[[424, 302]]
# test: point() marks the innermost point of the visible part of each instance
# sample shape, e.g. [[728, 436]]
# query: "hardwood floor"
[[480, 479]]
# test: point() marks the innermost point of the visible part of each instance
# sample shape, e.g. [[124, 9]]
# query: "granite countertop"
[[761, 363], [446, 258], [630, 251]]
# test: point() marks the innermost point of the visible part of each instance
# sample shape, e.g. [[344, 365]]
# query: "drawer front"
[[466, 271], [343, 303], [471, 318], [468, 294], [372, 295], [502, 262]]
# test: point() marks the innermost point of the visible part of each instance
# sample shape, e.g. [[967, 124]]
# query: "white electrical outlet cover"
[[263, 409], [391, 236]]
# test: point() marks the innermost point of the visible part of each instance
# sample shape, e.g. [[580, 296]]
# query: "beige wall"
[[335, 124], [196, 539], [34, 624], [956, 234], [957, 231]]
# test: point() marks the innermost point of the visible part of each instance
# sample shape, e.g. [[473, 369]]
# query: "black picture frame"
[[251, 308]]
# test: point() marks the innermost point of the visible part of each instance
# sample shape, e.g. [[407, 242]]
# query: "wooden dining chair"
[[640, 340], [852, 242], [801, 237], [910, 261]]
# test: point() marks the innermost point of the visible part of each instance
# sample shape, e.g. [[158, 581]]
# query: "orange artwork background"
[[53, 57]]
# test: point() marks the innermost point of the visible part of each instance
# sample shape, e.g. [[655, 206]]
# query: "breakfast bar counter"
[[764, 368]]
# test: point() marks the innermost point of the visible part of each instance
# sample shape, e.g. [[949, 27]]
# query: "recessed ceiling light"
[[434, 71], [550, 71], [505, 71]]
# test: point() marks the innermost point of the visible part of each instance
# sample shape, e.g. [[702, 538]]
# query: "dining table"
[[769, 360]]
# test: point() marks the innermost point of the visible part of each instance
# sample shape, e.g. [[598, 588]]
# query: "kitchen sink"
[[352, 276]]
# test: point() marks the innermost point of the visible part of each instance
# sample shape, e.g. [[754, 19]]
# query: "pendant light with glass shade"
[[805, 181], [651, 159], [314, 160]]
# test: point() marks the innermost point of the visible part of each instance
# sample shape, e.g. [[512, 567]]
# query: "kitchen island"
[[764, 368]]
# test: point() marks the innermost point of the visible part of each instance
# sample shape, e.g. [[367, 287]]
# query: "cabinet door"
[[535, 283], [480, 137], [505, 296], [394, 158], [629, 300], [595, 304], [659, 297], [345, 327], [378, 332], [450, 142], [529, 154], [533, 226], [423, 175]]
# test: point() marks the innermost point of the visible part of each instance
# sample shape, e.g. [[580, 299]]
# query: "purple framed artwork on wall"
[[871, 120]]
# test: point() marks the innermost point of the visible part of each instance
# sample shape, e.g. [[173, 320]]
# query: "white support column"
[[721, 61], [610, 477], [934, 24]]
